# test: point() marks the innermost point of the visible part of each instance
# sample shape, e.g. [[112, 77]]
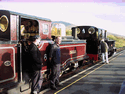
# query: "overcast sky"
[[107, 14]]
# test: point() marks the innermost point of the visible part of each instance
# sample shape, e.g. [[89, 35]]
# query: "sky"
[[106, 14]]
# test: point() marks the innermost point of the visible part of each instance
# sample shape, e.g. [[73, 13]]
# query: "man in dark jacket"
[[55, 59], [104, 51], [35, 64]]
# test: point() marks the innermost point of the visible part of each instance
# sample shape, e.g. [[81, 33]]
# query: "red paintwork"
[[8, 52], [93, 56], [44, 36], [67, 56]]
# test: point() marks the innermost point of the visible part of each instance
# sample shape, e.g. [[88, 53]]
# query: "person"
[[104, 51], [35, 64], [55, 60]]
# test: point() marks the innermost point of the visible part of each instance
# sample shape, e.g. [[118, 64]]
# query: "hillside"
[[65, 23], [108, 33], [119, 41]]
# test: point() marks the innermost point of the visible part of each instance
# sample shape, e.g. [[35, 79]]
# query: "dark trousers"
[[55, 74], [37, 80]]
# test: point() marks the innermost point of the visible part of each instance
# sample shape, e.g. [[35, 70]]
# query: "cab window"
[[28, 28], [45, 29]]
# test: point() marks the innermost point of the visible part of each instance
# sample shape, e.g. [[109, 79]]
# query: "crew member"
[[55, 60], [35, 64], [104, 51]]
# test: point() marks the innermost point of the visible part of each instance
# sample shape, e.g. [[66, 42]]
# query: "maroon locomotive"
[[15, 29]]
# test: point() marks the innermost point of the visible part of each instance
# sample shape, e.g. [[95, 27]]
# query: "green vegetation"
[[119, 41], [68, 32]]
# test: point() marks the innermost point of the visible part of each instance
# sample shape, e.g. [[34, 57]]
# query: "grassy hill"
[[119, 41]]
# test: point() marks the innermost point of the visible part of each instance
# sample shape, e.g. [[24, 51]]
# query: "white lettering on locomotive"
[[72, 51]]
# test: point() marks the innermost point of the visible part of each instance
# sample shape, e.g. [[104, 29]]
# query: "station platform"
[[99, 79]]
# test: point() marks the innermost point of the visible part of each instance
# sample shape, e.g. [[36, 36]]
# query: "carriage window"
[[45, 29], [103, 34], [83, 30], [28, 28], [99, 31], [96, 34], [100, 34], [77, 30], [56, 29], [91, 30]]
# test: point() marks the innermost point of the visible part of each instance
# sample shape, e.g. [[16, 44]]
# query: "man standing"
[[104, 51], [35, 64], [55, 60]]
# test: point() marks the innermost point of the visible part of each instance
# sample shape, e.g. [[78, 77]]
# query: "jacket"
[[55, 54], [35, 59], [104, 47]]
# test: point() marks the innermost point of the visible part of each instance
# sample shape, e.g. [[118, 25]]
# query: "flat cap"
[[33, 38]]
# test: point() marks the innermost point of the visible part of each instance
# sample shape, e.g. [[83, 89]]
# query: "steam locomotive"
[[93, 37], [16, 28]]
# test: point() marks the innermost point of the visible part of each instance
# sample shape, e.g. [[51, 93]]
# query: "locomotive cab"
[[31, 26], [8, 49], [15, 29]]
